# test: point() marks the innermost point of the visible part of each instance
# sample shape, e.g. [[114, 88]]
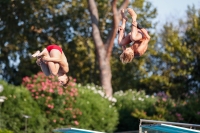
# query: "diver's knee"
[[133, 38]]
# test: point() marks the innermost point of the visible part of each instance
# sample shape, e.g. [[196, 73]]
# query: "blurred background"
[[103, 94]]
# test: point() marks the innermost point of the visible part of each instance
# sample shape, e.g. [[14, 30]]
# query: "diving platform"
[[152, 126], [75, 130]]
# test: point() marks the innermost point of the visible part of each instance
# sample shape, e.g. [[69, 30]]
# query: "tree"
[[27, 26], [177, 60], [191, 38], [68, 23], [171, 64]]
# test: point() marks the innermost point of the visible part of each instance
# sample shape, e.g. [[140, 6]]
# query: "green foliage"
[[167, 109], [131, 75], [176, 61], [25, 30], [19, 103], [162, 109], [5, 131], [55, 101], [171, 69], [128, 103], [98, 112], [74, 106], [82, 55], [192, 41], [188, 111]]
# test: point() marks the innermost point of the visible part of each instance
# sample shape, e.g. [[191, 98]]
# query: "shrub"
[[160, 110], [71, 107], [133, 106], [129, 102], [98, 112], [188, 111], [5, 131], [18, 103], [54, 100]]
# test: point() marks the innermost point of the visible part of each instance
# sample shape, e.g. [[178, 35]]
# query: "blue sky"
[[172, 9]]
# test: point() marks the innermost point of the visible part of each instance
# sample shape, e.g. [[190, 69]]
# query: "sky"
[[169, 10]]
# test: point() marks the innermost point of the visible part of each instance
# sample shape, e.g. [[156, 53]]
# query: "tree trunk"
[[104, 50]]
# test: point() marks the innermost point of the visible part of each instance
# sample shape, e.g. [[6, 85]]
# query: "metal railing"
[[195, 126]]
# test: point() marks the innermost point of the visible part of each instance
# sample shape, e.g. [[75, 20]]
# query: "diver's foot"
[[132, 13], [38, 62], [36, 54]]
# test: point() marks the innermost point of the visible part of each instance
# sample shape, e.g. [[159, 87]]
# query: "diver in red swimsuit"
[[53, 46], [52, 60]]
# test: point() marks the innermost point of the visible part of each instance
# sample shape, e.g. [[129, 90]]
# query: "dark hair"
[[66, 84]]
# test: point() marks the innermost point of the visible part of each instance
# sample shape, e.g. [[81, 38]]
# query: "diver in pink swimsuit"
[[52, 60]]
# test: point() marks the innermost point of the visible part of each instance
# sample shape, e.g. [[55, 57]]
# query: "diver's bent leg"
[[45, 68]]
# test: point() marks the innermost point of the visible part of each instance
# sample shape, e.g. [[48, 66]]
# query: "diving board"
[[167, 127], [74, 130], [164, 128]]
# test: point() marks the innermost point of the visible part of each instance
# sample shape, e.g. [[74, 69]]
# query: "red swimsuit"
[[53, 46]]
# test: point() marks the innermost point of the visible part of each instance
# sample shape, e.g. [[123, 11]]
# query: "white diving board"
[[75, 130]]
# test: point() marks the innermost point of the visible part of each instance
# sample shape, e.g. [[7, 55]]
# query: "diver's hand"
[[46, 59]]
